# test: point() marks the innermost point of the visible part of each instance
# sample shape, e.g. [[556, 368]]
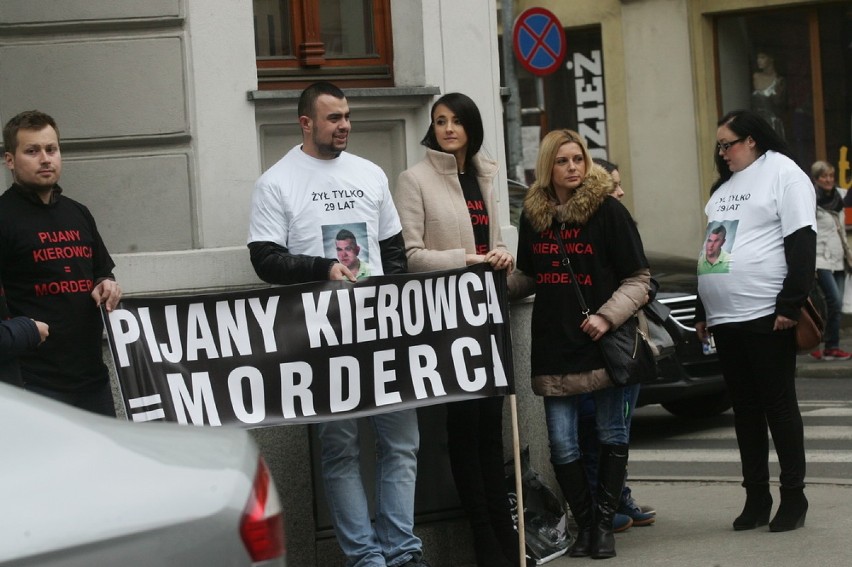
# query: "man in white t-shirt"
[[299, 206]]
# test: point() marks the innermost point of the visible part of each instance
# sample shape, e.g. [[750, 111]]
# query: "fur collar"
[[541, 208]]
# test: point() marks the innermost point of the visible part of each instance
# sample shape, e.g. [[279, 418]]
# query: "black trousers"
[[475, 443], [759, 366]]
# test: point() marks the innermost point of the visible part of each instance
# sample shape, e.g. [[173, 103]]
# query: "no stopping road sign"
[[539, 41]]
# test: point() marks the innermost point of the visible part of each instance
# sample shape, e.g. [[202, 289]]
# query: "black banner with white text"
[[314, 352]]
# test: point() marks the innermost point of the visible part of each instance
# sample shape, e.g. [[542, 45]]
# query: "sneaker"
[[836, 354], [817, 354], [647, 509], [630, 509], [621, 522], [627, 503]]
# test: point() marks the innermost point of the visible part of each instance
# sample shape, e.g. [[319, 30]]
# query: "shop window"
[[298, 42], [794, 67]]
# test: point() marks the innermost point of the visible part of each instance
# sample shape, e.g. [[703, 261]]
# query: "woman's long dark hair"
[[746, 123], [468, 114]]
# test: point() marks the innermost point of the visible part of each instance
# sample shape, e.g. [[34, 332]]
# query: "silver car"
[[78, 489]]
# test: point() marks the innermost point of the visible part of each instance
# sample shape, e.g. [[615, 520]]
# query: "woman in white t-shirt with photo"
[[767, 205]]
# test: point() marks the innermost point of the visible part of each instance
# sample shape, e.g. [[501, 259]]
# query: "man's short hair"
[[720, 230], [308, 99], [345, 234], [27, 120]]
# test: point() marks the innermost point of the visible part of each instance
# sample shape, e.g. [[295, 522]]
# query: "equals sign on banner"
[[146, 408]]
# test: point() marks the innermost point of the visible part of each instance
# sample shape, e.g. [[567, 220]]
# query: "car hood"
[[675, 274], [70, 476]]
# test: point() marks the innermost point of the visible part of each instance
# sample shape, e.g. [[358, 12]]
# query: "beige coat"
[[433, 211]]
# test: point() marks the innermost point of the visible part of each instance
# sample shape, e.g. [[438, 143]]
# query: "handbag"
[[625, 350], [659, 326], [810, 327]]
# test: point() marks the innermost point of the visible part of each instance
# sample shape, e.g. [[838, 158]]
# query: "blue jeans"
[[588, 432], [832, 284], [392, 542], [562, 414]]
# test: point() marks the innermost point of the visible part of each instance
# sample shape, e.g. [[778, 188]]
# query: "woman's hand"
[[595, 326], [782, 322], [500, 260], [701, 331]]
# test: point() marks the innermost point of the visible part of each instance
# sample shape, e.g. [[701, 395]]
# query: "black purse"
[[625, 350]]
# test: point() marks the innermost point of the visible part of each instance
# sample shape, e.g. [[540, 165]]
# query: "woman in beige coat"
[[448, 213]]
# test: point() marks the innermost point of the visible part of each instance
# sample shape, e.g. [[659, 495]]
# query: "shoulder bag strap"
[[566, 262], [840, 232]]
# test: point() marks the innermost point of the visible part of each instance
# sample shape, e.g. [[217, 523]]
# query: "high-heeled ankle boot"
[[757, 507], [613, 463], [791, 512], [575, 488]]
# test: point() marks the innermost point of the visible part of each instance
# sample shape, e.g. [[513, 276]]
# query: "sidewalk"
[[809, 367], [693, 528], [694, 517]]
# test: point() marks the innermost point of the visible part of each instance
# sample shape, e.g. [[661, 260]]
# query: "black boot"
[[613, 464], [757, 507], [791, 512], [575, 488]]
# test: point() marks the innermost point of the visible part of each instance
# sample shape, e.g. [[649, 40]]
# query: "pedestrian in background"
[[629, 512], [572, 195], [768, 203], [448, 211], [830, 256]]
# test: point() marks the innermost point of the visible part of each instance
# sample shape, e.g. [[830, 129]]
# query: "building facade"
[[647, 80]]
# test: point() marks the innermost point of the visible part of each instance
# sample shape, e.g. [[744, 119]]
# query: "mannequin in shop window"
[[769, 92]]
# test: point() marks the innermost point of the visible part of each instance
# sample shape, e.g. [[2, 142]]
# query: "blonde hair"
[[547, 151], [819, 168]]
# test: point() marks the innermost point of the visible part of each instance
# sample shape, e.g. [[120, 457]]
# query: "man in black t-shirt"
[[55, 268]]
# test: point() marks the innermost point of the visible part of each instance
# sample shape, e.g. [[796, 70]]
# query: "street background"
[[689, 471]]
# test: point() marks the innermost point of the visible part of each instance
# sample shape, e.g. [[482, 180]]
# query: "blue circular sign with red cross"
[[539, 41]]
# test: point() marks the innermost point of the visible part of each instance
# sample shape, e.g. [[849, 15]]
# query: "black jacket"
[[17, 336]]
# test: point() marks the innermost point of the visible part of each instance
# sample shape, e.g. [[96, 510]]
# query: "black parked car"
[[690, 380]]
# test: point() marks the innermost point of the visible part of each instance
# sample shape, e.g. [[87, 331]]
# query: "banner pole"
[[519, 481]]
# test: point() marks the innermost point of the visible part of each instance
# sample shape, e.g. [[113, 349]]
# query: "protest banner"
[[313, 352]]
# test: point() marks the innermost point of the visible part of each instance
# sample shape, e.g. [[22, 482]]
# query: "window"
[[298, 42], [793, 66]]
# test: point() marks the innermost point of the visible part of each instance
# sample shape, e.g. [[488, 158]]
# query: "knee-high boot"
[[613, 464], [575, 488]]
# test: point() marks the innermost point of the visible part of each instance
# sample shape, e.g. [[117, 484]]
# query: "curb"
[[809, 368], [728, 480]]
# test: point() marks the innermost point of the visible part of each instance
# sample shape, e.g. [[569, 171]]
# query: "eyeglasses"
[[725, 146]]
